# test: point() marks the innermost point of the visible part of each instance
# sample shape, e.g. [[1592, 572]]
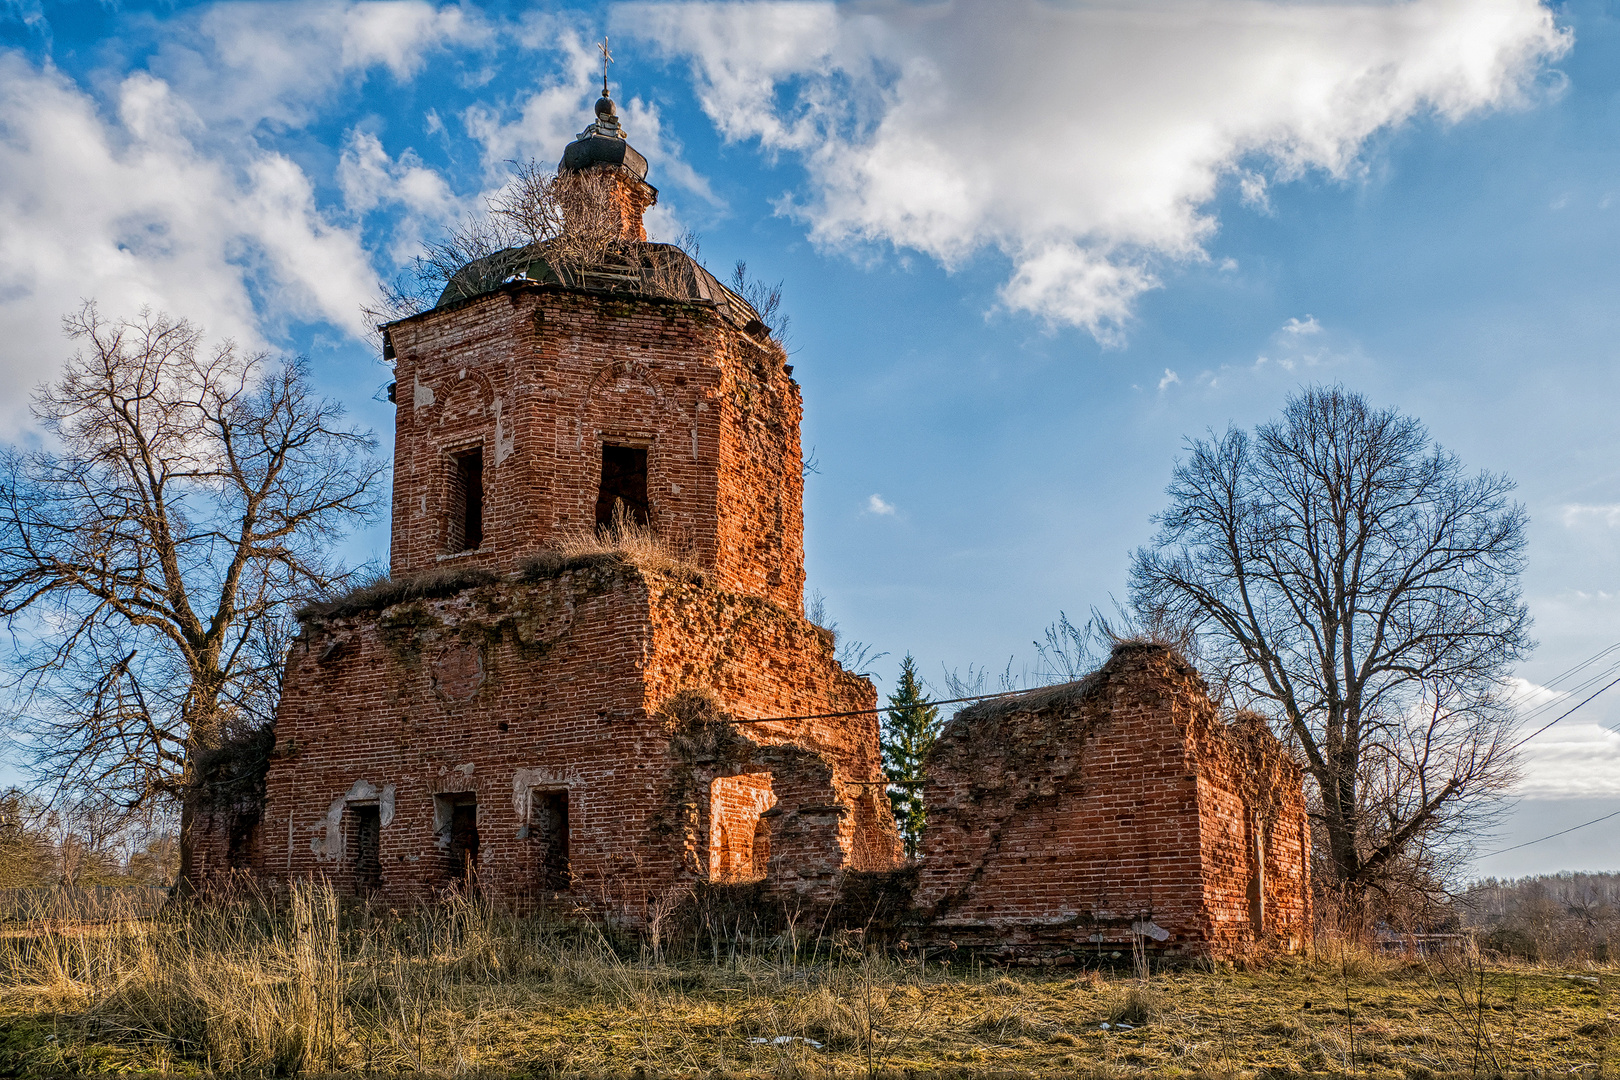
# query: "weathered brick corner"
[[1066, 821]]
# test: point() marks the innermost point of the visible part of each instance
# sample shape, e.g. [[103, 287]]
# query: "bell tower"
[[528, 410]]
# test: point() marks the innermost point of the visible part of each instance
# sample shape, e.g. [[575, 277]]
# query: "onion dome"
[[603, 143]]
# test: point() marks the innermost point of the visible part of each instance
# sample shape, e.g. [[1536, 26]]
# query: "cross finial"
[[607, 58]]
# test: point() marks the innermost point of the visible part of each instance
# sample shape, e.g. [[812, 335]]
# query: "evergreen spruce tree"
[[909, 729]]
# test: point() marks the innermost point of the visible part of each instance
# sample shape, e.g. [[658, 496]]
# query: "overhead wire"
[[889, 708], [1564, 695], [1549, 836], [1561, 716]]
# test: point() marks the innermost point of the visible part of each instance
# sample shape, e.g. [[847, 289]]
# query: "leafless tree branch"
[[151, 556], [1348, 578]]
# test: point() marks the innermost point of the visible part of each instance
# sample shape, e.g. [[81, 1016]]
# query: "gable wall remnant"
[[1119, 806]]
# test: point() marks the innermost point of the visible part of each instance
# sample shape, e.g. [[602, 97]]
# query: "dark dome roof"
[[603, 143], [593, 149]]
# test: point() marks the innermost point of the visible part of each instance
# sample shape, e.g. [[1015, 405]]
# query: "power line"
[[1612, 668], [1550, 836], [890, 708], [1590, 659], [1566, 693], [1555, 719]]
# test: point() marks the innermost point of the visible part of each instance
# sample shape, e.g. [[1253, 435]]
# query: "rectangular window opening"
[[365, 847], [548, 828], [624, 484], [455, 820], [467, 501]]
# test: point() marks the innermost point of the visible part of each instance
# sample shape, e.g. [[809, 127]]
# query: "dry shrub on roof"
[[633, 542], [385, 591]]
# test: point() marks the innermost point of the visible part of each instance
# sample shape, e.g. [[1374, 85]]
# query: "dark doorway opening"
[[624, 481], [365, 842], [467, 501], [548, 828], [239, 844], [458, 817]]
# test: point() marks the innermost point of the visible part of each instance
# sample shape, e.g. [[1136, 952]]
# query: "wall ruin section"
[[1073, 818]]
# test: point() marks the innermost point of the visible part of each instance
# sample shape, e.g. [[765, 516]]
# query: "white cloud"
[[137, 208], [1084, 141], [1576, 515], [249, 63], [1170, 379], [1303, 343], [549, 116], [1574, 759], [1577, 757], [875, 504], [370, 179]]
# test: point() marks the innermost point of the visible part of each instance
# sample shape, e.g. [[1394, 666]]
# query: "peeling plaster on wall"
[[364, 791], [328, 844], [421, 396], [505, 437], [525, 781]]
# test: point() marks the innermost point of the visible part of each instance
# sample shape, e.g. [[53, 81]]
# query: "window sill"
[[460, 554]]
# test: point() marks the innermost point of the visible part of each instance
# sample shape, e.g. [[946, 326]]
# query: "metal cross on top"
[[607, 58]]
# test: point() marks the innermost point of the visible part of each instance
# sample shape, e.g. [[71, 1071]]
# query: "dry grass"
[[630, 541], [625, 541], [302, 986]]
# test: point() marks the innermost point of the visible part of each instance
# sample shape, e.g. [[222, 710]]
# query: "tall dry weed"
[[633, 541], [242, 992]]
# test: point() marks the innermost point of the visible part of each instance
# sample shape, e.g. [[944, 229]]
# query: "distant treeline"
[[82, 844], [1553, 917]]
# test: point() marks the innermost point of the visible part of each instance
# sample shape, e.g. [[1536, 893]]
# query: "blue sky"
[[1027, 249]]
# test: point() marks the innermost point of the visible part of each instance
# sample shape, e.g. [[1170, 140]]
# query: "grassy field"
[[307, 989]]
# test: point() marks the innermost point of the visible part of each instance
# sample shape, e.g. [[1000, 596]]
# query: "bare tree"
[[25, 843], [150, 557], [87, 830], [1345, 576]]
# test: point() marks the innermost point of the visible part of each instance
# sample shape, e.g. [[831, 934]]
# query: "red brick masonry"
[[1076, 816], [606, 685], [531, 725]]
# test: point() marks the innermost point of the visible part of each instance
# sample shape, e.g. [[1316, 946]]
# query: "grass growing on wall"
[[305, 986]]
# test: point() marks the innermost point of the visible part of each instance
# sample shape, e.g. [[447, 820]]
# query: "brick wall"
[[1062, 819], [562, 685], [540, 378]]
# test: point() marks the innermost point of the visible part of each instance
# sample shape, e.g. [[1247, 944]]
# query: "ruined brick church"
[[610, 730]]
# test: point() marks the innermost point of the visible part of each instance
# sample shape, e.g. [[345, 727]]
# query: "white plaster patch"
[[505, 437], [328, 843], [421, 396]]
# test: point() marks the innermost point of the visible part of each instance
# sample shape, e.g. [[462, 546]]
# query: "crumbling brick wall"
[[225, 806], [1069, 819], [558, 684]]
